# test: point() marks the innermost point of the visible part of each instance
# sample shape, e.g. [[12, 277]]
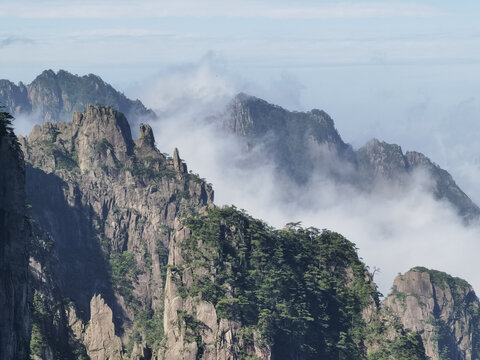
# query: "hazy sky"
[[387, 66], [406, 72]]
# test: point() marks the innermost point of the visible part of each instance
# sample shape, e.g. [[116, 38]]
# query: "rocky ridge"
[[302, 144], [444, 310], [56, 96], [129, 259], [108, 203]]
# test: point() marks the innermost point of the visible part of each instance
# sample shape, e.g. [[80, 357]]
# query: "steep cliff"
[[238, 289], [15, 234], [56, 96], [108, 203], [444, 310], [132, 260], [298, 142]]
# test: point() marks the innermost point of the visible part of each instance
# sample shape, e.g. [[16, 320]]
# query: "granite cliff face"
[[444, 310], [237, 289], [303, 144], [56, 96], [109, 204], [15, 233]]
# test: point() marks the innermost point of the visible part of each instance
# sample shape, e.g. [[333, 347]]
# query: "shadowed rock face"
[[302, 144], [15, 234], [444, 310], [108, 203], [56, 96], [298, 142]]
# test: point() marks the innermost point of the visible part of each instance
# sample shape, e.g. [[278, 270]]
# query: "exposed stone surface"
[[99, 194], [379, 160], [442, 309], [220, 339], [298, 142], [100, 338]]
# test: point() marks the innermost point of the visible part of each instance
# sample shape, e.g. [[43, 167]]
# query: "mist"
[[24, 123], [394, 228]]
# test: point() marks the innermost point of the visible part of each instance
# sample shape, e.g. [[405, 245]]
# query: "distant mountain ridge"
[[300, 144], [56, 96], [304, 143]]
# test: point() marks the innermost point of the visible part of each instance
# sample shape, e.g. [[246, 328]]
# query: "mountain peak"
[[56, 96], [441, 308], [145, 136]]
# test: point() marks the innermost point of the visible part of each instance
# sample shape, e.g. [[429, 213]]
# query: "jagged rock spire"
[[146, 136], [178, 165]]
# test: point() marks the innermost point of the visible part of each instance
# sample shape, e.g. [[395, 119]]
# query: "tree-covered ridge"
[[388, 340], [440, 278], [6, 129], [303, 289]]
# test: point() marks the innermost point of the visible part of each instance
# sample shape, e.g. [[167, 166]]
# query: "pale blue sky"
[[396, 70]]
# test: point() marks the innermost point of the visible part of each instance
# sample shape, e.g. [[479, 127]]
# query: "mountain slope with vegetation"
[[129, 261], [122, 254]]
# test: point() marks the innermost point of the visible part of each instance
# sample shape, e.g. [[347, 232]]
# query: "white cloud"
[[394, 228], [24, 123]]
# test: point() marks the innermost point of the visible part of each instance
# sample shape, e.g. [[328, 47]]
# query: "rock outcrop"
[[444, 310], [382, 162], [109, 204], [233, 291], [100, 338]]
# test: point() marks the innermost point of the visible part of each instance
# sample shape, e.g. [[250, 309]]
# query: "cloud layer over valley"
[[395, 228]]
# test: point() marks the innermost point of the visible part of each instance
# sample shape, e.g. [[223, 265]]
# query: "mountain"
[[130, 259], [108, 203], [302, 144], [122, 254], [442, 308], [298, 142], [56, 96]]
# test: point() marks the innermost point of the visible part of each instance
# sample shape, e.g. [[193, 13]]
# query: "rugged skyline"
[[405, 72], [251, 173]]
